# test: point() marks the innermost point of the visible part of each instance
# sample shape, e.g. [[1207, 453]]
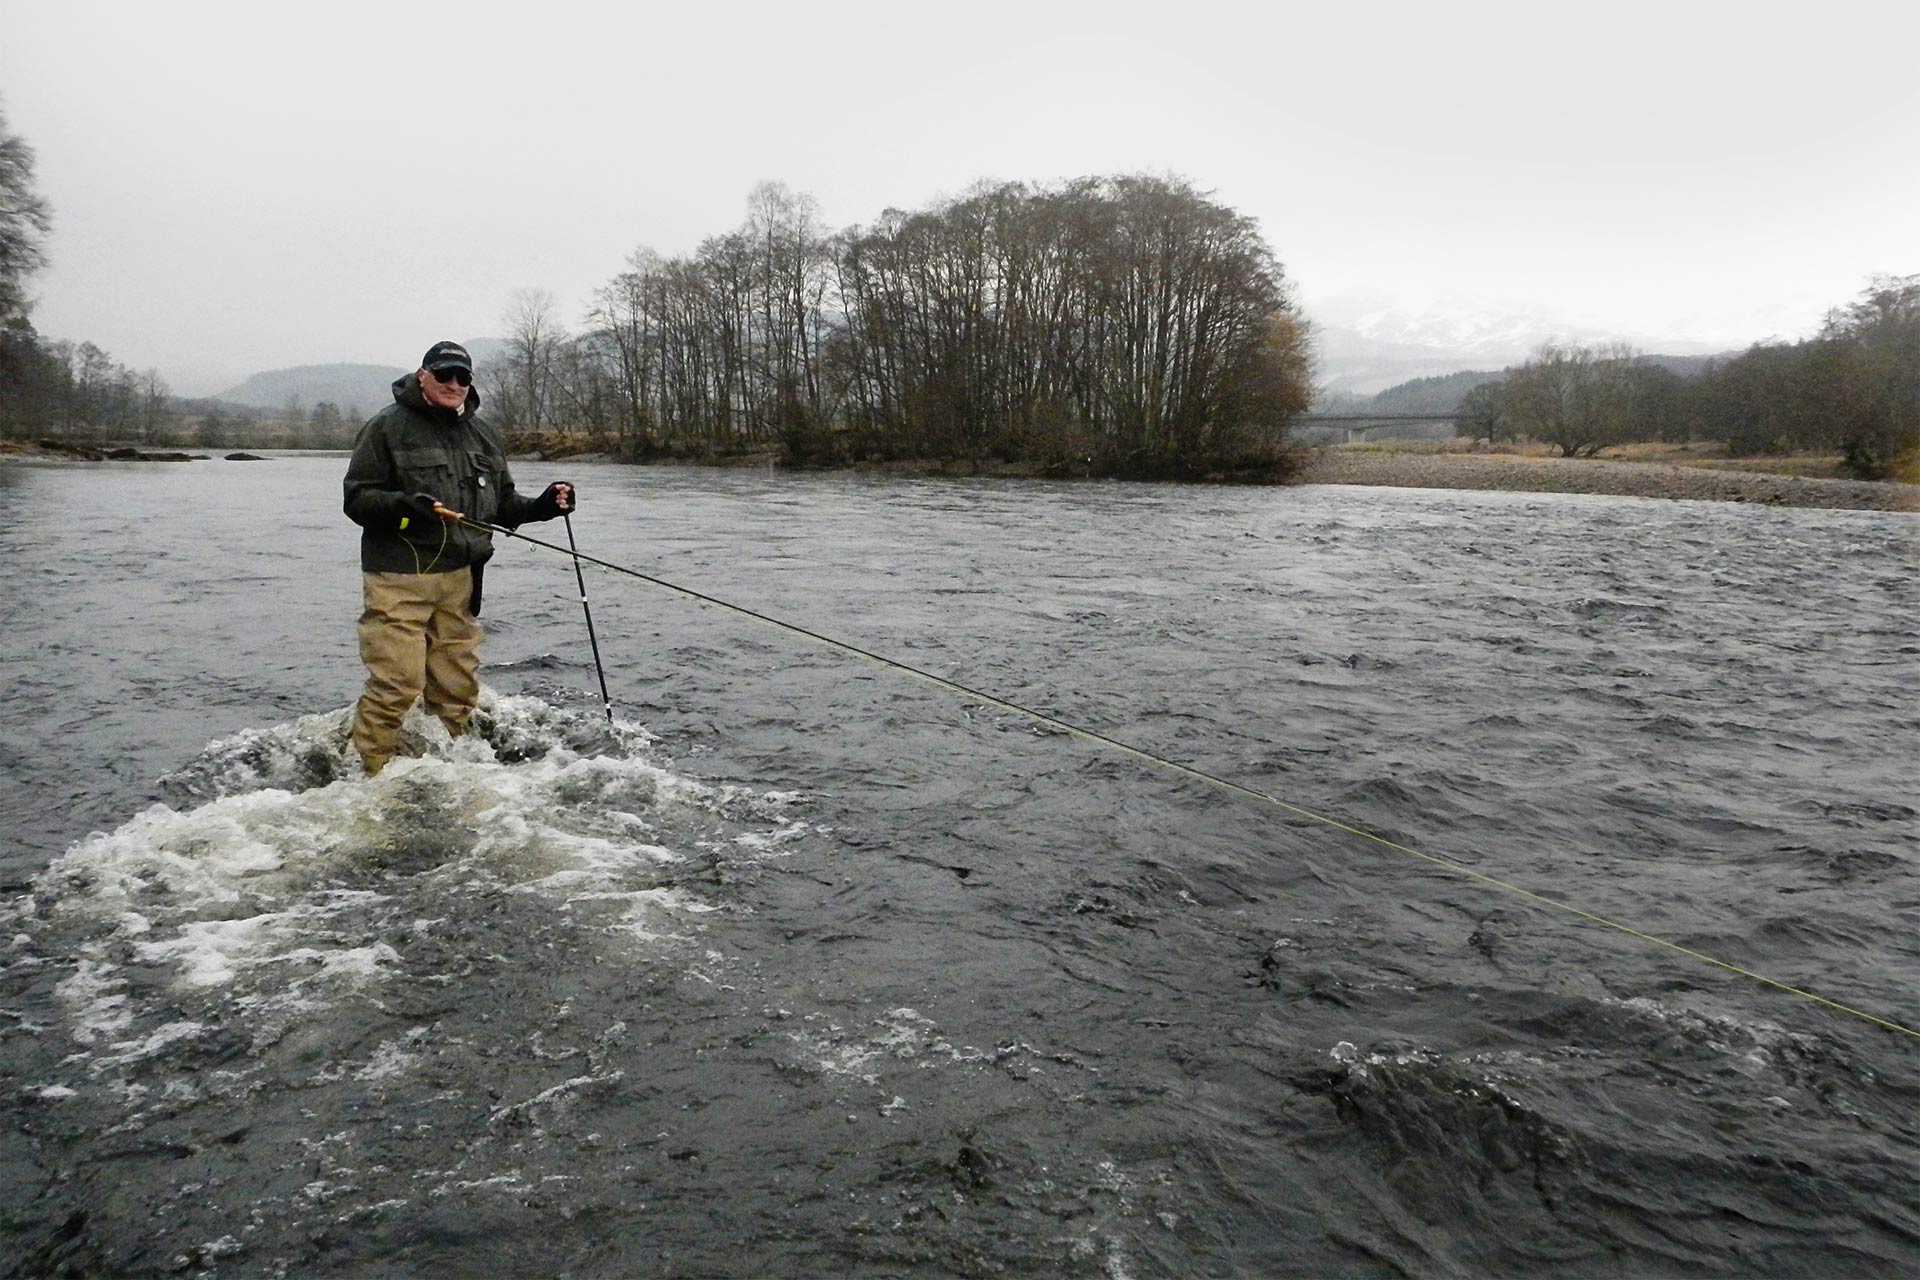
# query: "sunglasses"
[[460, 376]]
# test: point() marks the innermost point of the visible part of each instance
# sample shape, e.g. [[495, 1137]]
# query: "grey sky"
[[248, 186]]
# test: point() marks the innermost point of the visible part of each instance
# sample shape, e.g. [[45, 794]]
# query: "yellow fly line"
[[1251, 793]]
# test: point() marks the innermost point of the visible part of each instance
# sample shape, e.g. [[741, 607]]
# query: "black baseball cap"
[[442, 356]]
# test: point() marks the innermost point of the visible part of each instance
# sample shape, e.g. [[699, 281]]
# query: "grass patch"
[[1703, 455], [1813, 466]]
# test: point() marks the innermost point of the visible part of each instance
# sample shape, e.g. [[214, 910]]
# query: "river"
[[806, 967]]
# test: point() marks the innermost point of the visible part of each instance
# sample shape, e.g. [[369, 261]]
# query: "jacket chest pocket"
[[484, 500], [427, 471]]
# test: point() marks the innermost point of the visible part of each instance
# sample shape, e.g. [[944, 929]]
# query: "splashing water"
[[297, 887]]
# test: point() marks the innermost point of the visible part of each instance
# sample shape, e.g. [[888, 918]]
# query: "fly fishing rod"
[[1139, 753]]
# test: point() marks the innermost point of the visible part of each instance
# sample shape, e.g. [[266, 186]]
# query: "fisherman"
[[419, 466]]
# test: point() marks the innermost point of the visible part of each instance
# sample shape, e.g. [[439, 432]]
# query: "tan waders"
[[416, 637]]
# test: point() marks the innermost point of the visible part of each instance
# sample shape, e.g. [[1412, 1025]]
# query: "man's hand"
[[558, 495], [424, 507]]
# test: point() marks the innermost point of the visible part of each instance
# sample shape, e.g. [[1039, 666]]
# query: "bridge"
[[1357, 428]]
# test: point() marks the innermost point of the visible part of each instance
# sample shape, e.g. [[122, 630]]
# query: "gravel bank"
[[1598, 475]]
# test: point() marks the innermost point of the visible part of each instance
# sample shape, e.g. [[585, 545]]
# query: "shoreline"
[[1507, 473], [1379, 468], [1517, 474]]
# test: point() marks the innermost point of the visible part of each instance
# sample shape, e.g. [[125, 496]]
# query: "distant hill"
[[361, 388], [1351, 363], [1367, 341], [1441, 394]]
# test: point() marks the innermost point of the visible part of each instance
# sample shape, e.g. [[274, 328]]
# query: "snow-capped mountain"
[[1366, 341]]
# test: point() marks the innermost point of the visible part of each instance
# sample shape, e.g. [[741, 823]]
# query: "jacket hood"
[[406, 391]]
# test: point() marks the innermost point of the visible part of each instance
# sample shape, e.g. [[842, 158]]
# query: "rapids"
[[806, 968]]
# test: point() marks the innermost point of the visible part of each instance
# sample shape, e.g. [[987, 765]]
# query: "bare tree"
[[627, 324], [211, 431], [1132, 308], [1876, 339], [25, 219], [154, 417], [580, 386], [790, 282], [93, 384], [1580, 399], [1133, 317], [534, 334], [1483, 413], [325, 427]]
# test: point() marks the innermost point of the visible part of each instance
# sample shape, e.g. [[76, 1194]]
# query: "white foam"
[[95, 993], [257, 894], [769, 843], [1720, 1032], [903, 1034], [562, 1092], [310, 749], [208, 854], [276, 756], [148, 1046], [392, 1058]]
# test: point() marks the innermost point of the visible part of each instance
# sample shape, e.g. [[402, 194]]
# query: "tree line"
[[47, 385], [77, 393], [1852, 389], [76, 390], [1123, 325]]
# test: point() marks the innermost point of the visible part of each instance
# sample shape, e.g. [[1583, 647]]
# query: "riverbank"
[[1415, 468], [1694, 473], [83, 453], [1619, 478], [1412, 467]]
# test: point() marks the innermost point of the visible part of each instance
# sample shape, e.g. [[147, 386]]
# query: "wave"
[[1587, 1148]]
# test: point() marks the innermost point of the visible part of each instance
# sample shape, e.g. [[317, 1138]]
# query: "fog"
[[244, 187]]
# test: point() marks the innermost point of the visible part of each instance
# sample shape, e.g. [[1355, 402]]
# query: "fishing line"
[[1201, 775], [414, 547]]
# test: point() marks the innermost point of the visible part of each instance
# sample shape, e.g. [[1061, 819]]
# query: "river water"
[[805, 967]]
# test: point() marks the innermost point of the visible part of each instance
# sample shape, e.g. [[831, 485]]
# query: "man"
[[419, 465]]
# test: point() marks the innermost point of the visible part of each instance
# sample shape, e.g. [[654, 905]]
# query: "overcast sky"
[[251, 186]]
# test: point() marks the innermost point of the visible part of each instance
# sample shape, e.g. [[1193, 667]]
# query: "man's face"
[[450, 394]]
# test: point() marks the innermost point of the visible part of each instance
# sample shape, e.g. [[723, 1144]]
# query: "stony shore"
[[1598, 475]]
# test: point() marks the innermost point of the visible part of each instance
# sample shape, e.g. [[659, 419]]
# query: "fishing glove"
[[547, 505], [417, 509]]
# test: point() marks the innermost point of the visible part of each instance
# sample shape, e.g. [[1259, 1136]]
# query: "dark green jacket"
[[412, 446]]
